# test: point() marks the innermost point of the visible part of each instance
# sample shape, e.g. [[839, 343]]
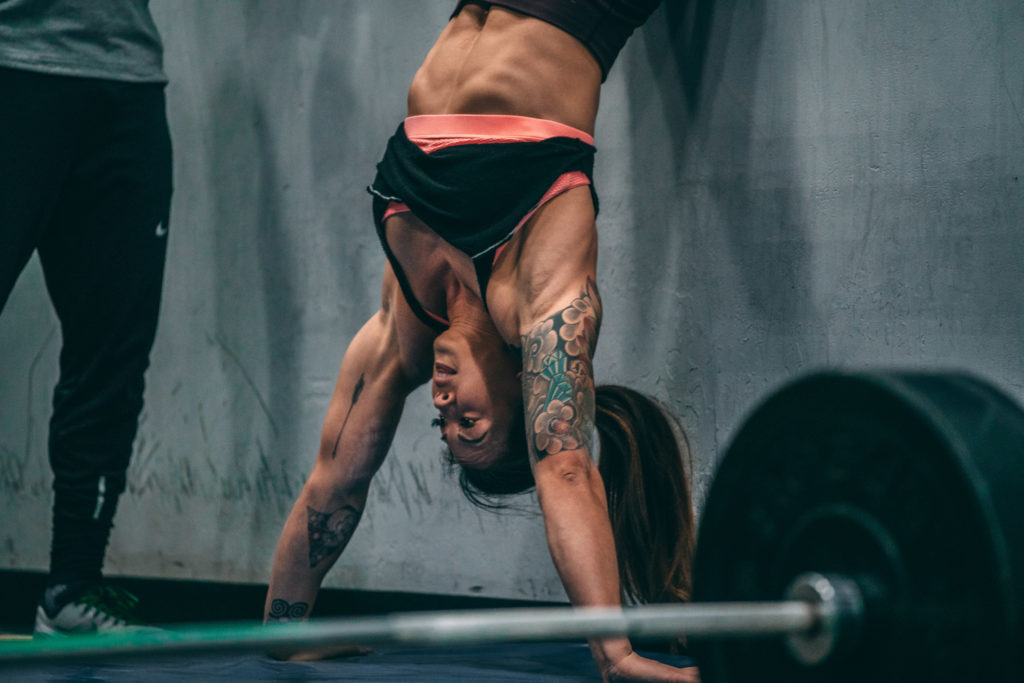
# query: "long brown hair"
[[645, 463]]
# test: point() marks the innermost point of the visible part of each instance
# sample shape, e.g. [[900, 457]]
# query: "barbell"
[[860, 526]]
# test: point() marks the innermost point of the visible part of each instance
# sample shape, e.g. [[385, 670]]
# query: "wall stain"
[[406, 483], [250, 476], [392, 485], [202, 422], [248, 379], [12, 470], [419, 482]]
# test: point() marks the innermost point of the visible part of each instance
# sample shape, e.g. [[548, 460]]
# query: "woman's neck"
[[466, 312]]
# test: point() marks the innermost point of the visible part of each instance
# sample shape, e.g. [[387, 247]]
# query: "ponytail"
[[645, 464]]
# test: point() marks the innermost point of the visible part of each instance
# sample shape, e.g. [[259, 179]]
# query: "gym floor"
[[507, 662]]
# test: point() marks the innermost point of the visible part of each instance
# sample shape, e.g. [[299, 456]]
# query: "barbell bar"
[[822, 611]]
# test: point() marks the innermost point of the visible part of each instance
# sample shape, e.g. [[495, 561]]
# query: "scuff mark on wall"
[[419, 481], [236, 361]]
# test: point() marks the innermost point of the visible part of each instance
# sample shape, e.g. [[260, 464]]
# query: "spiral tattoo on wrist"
[[283, 611]]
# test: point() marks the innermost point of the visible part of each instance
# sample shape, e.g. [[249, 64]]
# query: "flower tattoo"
[[554, 430], [539, 345], [579, 328], [558, 382]]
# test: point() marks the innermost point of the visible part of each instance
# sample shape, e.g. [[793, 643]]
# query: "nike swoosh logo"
[[161, 229]]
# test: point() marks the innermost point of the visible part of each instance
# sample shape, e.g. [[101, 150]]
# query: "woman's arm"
[[386, 360], [559, 315], [558, 394], [558, 398]]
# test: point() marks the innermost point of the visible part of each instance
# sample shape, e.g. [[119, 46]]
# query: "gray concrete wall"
[[784, 186]]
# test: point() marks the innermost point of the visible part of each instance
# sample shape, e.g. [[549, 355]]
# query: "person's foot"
[[70, 609]]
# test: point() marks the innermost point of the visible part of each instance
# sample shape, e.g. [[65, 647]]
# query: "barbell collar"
[[841, 612]]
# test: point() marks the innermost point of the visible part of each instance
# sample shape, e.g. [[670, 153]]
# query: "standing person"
[[85, 158], [485, 209]]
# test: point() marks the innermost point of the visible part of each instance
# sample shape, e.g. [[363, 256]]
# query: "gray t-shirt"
[[111, 39]]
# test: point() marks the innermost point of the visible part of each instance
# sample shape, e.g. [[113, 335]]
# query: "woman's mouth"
[[442, 370]]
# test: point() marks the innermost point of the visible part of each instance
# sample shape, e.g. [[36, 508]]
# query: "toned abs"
[[496, 61]]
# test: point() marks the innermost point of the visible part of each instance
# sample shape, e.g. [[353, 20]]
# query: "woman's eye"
[[437, 421], [467, 422]]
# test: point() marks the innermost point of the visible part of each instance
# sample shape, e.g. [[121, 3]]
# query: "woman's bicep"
[[386, 359], [558, 376]]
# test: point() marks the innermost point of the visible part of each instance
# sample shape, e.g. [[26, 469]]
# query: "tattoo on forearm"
[[355, 397], [329, 532], [558, 376], [281, 610]]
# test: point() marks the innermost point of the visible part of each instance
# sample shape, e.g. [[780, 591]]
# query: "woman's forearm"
[[579, 536], [317, 530], [578, 529], [356, 435]]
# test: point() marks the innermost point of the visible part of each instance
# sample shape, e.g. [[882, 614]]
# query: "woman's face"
[[477, 392]]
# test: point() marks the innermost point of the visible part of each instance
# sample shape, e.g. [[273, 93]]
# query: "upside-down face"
[[477, 393]]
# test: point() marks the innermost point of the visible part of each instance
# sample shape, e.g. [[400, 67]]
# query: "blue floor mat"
[[509, 662]]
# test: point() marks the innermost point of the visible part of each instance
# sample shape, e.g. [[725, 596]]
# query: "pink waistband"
[[466, 126]]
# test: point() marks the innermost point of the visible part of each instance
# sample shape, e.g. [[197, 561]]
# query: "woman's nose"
[[442, 398]]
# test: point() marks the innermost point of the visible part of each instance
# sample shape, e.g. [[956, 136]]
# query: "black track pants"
[[85, 180]]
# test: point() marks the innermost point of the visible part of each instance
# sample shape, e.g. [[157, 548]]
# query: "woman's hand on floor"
[[633, 667], [322, 652]]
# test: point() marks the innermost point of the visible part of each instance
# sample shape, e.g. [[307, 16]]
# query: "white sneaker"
[[99, 609]]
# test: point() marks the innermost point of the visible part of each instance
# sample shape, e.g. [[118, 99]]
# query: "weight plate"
[[910, 483]]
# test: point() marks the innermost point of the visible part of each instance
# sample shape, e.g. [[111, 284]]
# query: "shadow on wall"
[[667, 80], [729, 176], [277, 250], [276, 152], [688, 27], [252, 257], [255, 256], [357, 96]]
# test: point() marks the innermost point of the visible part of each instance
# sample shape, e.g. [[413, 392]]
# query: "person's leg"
[[37, 129], [103, 259]]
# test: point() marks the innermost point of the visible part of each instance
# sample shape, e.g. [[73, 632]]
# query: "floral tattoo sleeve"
[[558, 376]]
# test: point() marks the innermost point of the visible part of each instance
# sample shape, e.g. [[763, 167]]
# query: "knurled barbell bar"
[[861, 526]]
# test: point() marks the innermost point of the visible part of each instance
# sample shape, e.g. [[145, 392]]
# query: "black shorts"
[[474, 195]]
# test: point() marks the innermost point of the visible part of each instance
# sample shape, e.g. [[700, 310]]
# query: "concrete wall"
[[784, 186]]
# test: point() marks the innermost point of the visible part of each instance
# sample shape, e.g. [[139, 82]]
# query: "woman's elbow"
[[566, 472]]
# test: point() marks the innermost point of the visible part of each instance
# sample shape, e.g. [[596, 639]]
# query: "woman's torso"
[[490, 61], [496, 61]]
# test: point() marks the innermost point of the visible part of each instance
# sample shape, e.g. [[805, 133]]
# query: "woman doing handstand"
[[485, 207]]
